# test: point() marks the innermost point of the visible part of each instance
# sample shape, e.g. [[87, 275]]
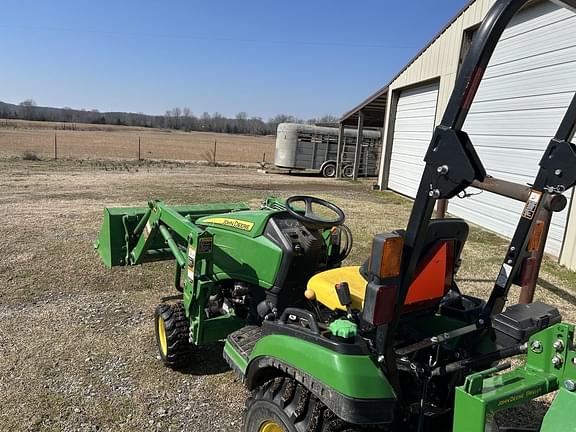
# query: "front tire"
[[329, 170], [172, 335], [283, 405]]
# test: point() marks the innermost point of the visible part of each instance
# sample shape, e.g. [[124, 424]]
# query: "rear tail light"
[[380, 303], [382, 290]]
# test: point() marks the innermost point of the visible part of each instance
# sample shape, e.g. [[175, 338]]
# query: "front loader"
[[391, 344]]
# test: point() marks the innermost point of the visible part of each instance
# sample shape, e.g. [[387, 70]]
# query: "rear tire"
[[329, 170], [172, 335], [283, 405], [348, 171]]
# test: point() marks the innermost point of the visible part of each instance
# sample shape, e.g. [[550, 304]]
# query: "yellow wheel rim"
[[162, 337], [270, 426]]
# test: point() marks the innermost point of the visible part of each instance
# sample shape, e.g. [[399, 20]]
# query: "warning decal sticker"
[[205, 245], [504, 275], [191, 262], [531, 205]]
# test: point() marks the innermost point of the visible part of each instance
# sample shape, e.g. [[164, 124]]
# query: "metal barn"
[[526, 89]]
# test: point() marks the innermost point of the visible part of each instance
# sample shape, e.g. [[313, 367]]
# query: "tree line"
[[176, 118]]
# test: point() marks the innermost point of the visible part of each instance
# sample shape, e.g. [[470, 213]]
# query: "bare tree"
[[28, 108]]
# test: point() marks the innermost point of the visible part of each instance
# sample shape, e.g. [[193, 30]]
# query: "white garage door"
[[527, 87], [413, 128]]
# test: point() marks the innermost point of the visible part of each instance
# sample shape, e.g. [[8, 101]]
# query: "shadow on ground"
[[560, 292], [208, 360]]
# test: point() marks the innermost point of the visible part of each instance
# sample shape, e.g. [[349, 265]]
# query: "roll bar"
[[452, 165]]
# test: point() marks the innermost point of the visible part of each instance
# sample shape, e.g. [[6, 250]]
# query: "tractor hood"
[[249, 223]]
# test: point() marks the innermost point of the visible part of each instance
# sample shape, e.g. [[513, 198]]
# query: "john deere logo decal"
[[234, 223]]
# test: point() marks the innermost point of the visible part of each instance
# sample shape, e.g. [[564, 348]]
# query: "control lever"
[[344, 297]]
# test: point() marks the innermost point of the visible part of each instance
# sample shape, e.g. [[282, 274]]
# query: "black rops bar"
[[556, 175], [452, 165]]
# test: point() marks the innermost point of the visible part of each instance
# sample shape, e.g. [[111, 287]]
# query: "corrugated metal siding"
[[413, 130], [548, 94], [527, 87]]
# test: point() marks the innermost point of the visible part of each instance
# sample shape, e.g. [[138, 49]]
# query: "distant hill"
[[29, 111], [177, 118]]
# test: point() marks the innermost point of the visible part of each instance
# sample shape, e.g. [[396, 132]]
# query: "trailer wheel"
[[348, 171], [283, 405], [329, 170], [172, 332]]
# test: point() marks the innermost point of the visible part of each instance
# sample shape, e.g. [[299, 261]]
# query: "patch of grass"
[[392, 198], [488, 238], [559, 271]]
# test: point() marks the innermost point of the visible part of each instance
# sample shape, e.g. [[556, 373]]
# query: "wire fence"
[[137, 144]]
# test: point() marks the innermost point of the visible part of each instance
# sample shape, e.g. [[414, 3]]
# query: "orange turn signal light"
[[391, 257]]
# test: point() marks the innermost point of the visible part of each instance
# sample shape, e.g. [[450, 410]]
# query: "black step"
[[243, 342]]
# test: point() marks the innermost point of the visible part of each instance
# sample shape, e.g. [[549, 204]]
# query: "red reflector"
[[385, 304]]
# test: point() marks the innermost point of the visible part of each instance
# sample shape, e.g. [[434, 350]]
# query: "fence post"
[[214, 154], [139, 149], [55, 146]]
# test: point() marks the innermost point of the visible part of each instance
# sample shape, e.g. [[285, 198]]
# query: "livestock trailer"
[[301, 146]]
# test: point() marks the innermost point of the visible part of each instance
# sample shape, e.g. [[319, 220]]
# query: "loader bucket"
[[112, 241]]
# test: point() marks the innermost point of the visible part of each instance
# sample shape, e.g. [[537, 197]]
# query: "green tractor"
[[391, 344]]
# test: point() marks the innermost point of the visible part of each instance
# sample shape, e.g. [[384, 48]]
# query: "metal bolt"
[[557, 361], [513, 248], [574, 361], [481, 321], [381, 359], [536, 347], [570, 385], [434, 193], [443, 169], [509, 262], [434, 340], [558, 172], [558, 345]]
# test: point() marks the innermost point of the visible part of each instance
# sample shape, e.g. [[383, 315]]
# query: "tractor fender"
[[352, 386]]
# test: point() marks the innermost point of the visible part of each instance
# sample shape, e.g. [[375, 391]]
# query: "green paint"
[[111, 243], [118, 224], [560, 415], [254, 260], [238, 360], [249, 223], [355, 376], [484, 393]]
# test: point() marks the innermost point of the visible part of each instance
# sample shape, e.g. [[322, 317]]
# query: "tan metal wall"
[[440, 61]]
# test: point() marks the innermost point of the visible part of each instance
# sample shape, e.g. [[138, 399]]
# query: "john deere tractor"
[[390, 344]]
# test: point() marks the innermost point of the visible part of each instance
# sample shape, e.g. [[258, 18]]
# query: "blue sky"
[[305, 58]]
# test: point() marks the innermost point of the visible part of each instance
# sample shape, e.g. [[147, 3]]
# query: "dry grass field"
[[76, 339], [87, 141]]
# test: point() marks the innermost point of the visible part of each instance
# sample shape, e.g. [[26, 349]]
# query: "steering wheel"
[[311, 219]]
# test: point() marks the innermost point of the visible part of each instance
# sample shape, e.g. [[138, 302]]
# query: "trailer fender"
[[328, 168], [352, 386]]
